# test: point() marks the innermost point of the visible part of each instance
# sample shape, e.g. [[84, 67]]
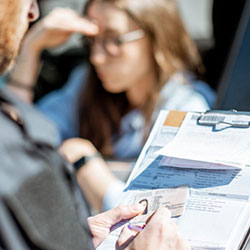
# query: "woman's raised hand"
[[56, 28]]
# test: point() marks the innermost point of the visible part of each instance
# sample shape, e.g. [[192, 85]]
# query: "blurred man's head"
[[15, 16]]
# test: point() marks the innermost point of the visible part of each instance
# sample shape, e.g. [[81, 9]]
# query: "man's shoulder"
[[36, 186], [33, 125]]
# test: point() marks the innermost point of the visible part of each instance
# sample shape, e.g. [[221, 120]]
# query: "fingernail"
[[135, 228]]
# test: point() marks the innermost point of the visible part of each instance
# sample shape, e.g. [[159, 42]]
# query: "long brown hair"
[[173, 50]]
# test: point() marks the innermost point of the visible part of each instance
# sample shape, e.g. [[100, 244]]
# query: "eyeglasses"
[[112, 45]]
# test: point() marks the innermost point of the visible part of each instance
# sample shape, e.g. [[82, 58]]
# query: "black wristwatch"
[[84, 159]]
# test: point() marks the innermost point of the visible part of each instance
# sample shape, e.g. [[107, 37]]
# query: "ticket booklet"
[[206, 190]]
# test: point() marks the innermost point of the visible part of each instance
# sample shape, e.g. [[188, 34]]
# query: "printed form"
[[222, 143], [214, 215]]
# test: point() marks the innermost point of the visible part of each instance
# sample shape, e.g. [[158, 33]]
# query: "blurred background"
[[213, 24]]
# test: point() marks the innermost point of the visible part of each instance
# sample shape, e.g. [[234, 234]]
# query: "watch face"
[[79, 163]]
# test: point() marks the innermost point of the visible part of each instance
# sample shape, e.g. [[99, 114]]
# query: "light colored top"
[[60, 107]]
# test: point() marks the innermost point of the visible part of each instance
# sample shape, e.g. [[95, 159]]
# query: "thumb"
[[119, 213]]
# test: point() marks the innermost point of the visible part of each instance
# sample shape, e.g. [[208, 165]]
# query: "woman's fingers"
[[70, 21]]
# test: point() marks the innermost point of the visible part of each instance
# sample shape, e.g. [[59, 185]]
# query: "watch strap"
[[84, 160]]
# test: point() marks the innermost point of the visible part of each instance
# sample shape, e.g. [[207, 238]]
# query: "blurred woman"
[[141, 60], [139, 64]]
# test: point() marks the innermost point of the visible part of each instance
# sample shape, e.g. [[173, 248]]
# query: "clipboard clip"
[[216, 117]]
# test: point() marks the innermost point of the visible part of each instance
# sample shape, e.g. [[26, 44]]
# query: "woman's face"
[[132, 62]]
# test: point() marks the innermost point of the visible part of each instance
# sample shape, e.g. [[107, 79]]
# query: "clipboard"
[[246, 241], [213, 118], [148, 174], [207, 118], [229, 129], [216, 117]]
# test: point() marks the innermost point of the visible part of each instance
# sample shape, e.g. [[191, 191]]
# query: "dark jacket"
[[41, 206]]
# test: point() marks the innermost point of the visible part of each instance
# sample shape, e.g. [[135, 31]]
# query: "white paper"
[[217, 211], [226, 145]]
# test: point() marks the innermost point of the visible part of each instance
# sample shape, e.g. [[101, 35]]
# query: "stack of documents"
[[202, 160], [223, 145]]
